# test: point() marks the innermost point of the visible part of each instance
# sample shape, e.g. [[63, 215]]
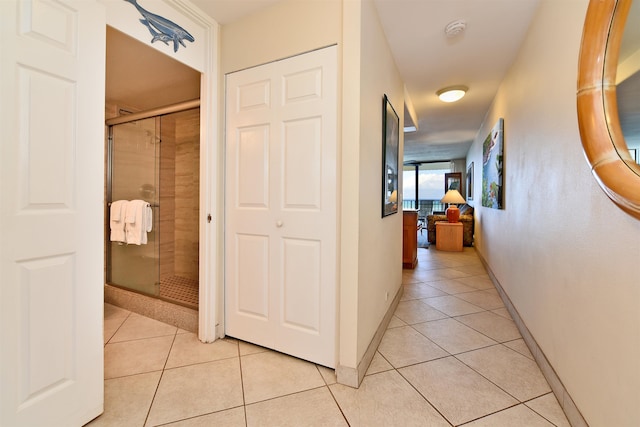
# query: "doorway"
[[155, 160], [153, 157]]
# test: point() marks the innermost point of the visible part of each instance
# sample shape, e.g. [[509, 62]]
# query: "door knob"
[[278, 224]]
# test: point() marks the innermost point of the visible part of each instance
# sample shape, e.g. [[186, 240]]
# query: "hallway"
[[451, 356]]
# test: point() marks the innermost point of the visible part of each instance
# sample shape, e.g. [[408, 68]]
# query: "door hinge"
[[209, 218]]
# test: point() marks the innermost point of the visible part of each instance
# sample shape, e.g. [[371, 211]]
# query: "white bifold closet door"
[[281, 206]]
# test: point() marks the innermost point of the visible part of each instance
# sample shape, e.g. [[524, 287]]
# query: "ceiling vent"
[[455, 27]]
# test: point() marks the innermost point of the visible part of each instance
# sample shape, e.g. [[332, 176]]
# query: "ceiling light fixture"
[[452, 93]]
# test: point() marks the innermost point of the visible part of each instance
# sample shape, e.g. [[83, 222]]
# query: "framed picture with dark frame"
[[470, 182], [453, 181], [390, 160]]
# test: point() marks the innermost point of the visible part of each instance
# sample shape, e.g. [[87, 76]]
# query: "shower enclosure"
[[156, 159]]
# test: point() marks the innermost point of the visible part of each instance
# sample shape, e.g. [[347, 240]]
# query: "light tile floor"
[[451, 356]]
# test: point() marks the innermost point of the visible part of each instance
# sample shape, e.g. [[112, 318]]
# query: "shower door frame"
[[122, 120], [206, 60], [156, 114]]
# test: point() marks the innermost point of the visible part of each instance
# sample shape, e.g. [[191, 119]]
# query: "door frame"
[[211, 198]]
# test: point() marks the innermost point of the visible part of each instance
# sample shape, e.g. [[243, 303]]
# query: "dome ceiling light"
[[452, 93]]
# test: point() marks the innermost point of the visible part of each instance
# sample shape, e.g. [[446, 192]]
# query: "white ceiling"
[[426, 58], [226, 11]]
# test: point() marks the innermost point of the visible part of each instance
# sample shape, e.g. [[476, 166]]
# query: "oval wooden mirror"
[[602, 137]]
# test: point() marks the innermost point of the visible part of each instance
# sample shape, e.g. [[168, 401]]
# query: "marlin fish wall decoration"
[[161, 28]]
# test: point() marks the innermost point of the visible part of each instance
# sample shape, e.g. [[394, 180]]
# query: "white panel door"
[[51, 211], [281, 192]]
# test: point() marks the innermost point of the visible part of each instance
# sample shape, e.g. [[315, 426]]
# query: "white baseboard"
[[352, 377], [570, 409]]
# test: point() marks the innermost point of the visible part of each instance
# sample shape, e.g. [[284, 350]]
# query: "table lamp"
[[453, 197], [394, 198]]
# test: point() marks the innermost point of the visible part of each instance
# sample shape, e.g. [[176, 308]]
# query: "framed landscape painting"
[[492, 167], [390, 160]]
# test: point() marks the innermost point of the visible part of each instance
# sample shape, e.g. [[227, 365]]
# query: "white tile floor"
[[451, 356]]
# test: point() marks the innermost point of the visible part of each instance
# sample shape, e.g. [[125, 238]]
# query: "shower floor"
[[180, 290]]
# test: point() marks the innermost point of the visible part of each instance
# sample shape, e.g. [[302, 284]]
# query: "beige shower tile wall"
[[167, 195], [187, 190], [134, 162]]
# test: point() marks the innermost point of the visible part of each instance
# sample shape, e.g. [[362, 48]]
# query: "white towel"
[[138, 221], [132, 210], [116, 220]]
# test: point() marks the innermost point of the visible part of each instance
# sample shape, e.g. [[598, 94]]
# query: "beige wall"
[[566, 256], [368, 268], [289, 27], [380, 239]]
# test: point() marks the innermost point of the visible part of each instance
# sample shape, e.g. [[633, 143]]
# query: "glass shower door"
[[134, 151]]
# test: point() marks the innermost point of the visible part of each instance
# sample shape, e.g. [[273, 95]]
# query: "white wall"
[[380, 239], [566, 256], [370, 258]]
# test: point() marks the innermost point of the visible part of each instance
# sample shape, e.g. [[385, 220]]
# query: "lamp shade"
[[453, 196]]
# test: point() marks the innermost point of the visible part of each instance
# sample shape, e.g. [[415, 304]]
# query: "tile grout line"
[[501, 343], [431, 360], [492, 413], [497, 385], [117, 329], [392, 368], [498, 343], [534, 398], [420, 394], [155, 393], [244, 400]]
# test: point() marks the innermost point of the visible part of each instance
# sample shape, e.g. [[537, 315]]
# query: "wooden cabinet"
[[449, 236], [409, 239]]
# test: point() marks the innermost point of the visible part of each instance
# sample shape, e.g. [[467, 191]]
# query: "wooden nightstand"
[[409, 239], [449, 236]]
